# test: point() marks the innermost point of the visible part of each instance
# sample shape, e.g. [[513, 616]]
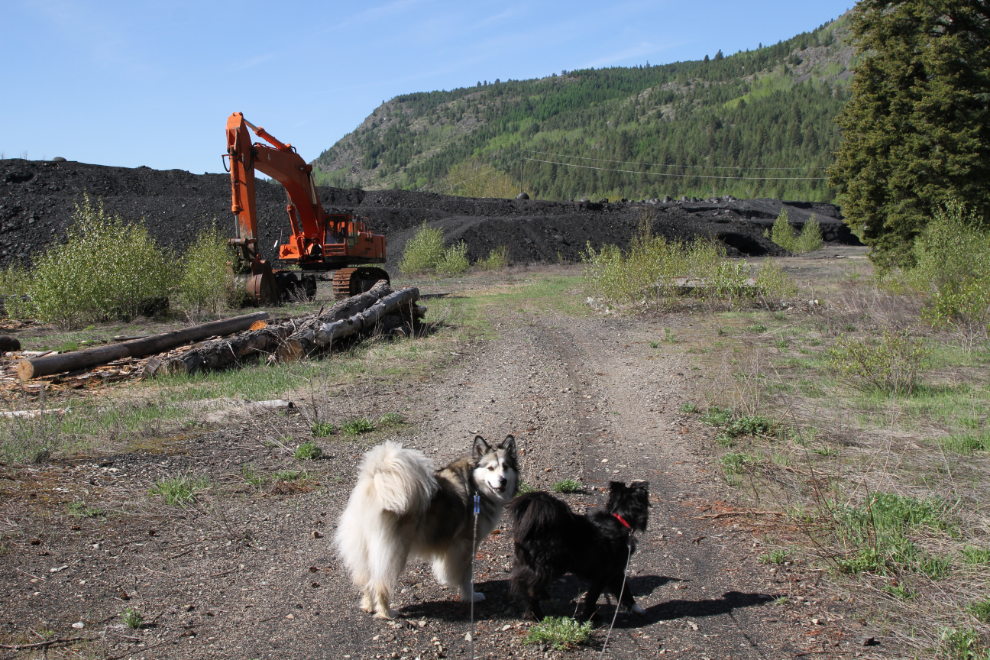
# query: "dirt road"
[[250, 574]]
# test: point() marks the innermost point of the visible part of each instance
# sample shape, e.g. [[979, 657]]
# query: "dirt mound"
[[38, 201]]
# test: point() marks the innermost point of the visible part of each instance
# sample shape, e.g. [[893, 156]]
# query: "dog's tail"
[[396, 479], [536, 515]]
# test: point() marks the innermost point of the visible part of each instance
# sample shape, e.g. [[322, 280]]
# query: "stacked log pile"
[[379, 310]]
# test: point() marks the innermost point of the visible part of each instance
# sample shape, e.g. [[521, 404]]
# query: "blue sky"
[[152, 83]]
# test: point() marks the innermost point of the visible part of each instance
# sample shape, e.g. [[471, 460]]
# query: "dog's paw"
[[386, 614], [476, 597], [638, 610]]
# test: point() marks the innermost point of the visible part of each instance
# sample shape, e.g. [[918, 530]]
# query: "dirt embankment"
[[38, 199]]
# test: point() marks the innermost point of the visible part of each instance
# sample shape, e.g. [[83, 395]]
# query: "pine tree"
[[916, 133]]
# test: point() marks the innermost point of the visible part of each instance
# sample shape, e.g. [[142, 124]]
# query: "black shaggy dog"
[[551, 540]]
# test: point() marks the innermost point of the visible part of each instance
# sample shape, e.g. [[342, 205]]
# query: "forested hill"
[[758, 123]]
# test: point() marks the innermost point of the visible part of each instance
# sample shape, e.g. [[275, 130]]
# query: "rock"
[[667, 199], [58, 159], [522, 195], [684, 198], [870, 641]]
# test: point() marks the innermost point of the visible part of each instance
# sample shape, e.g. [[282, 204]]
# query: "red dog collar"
[[624, 523]]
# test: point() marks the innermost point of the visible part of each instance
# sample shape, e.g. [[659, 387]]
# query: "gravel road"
[[250, 574]]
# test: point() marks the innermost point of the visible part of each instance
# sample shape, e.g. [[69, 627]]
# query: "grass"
[[81, 509], [561, 633], [778, 556], [132, 618], [980, 610], [179, 490], [566, 486], [322, 429]]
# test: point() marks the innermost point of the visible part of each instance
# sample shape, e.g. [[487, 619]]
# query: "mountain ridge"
[[693, 123]]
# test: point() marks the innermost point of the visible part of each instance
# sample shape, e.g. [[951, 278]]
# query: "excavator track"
[[349, 282]]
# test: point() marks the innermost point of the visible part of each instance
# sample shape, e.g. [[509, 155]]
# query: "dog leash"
[[474, 540], [622, 590]]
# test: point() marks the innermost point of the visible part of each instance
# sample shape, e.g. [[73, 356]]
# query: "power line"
[[683, 167], [681, 176]]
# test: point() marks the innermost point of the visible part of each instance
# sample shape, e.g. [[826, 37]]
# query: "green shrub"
[[422, 252], [891, 364], [567, 486], [322, 429], [952, 258], [308, 451], [207, 278], [454, 260], [497, 259], [773, 285], [106, 270], [778, 556], [357, 426], [559, 632], [962, 645]]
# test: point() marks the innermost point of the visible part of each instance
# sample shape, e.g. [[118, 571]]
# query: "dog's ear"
[[616, 486], [481, 447], [640, 485], [509, 444]]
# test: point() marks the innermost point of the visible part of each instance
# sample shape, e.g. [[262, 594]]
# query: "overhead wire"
[[680, 176], [683, 167]]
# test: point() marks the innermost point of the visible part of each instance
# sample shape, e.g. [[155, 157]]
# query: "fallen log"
[[91, 357], [303, 342], [221, 353], [392, 303]]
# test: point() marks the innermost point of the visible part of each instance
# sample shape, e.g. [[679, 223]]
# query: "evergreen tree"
[[916, 133]]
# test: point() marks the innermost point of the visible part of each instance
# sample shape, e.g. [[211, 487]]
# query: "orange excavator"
[[320, 242]]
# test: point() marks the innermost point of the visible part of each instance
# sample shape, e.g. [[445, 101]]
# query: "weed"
[[690, 408], [308, 451], [716, 416], [391, 420], [559, 632], [357, 426], [972, 555], [980, 609], [735, 463], [901, 591], [178, 490], [778, 556], [966, 444], [890, 364], [78, 508], [757, 328], [962, 645], [250, 476], [524, 488], [132, 618], [567, 486], [654, 344], [497, 259], [749, 425], [782, 600], [289, 475], [322, 429], [724, 440]]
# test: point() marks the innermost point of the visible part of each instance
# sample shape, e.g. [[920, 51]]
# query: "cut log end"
[[25, 370]]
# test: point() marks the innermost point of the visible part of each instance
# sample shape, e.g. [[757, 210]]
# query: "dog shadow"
[[496, 599], [678, 609]]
